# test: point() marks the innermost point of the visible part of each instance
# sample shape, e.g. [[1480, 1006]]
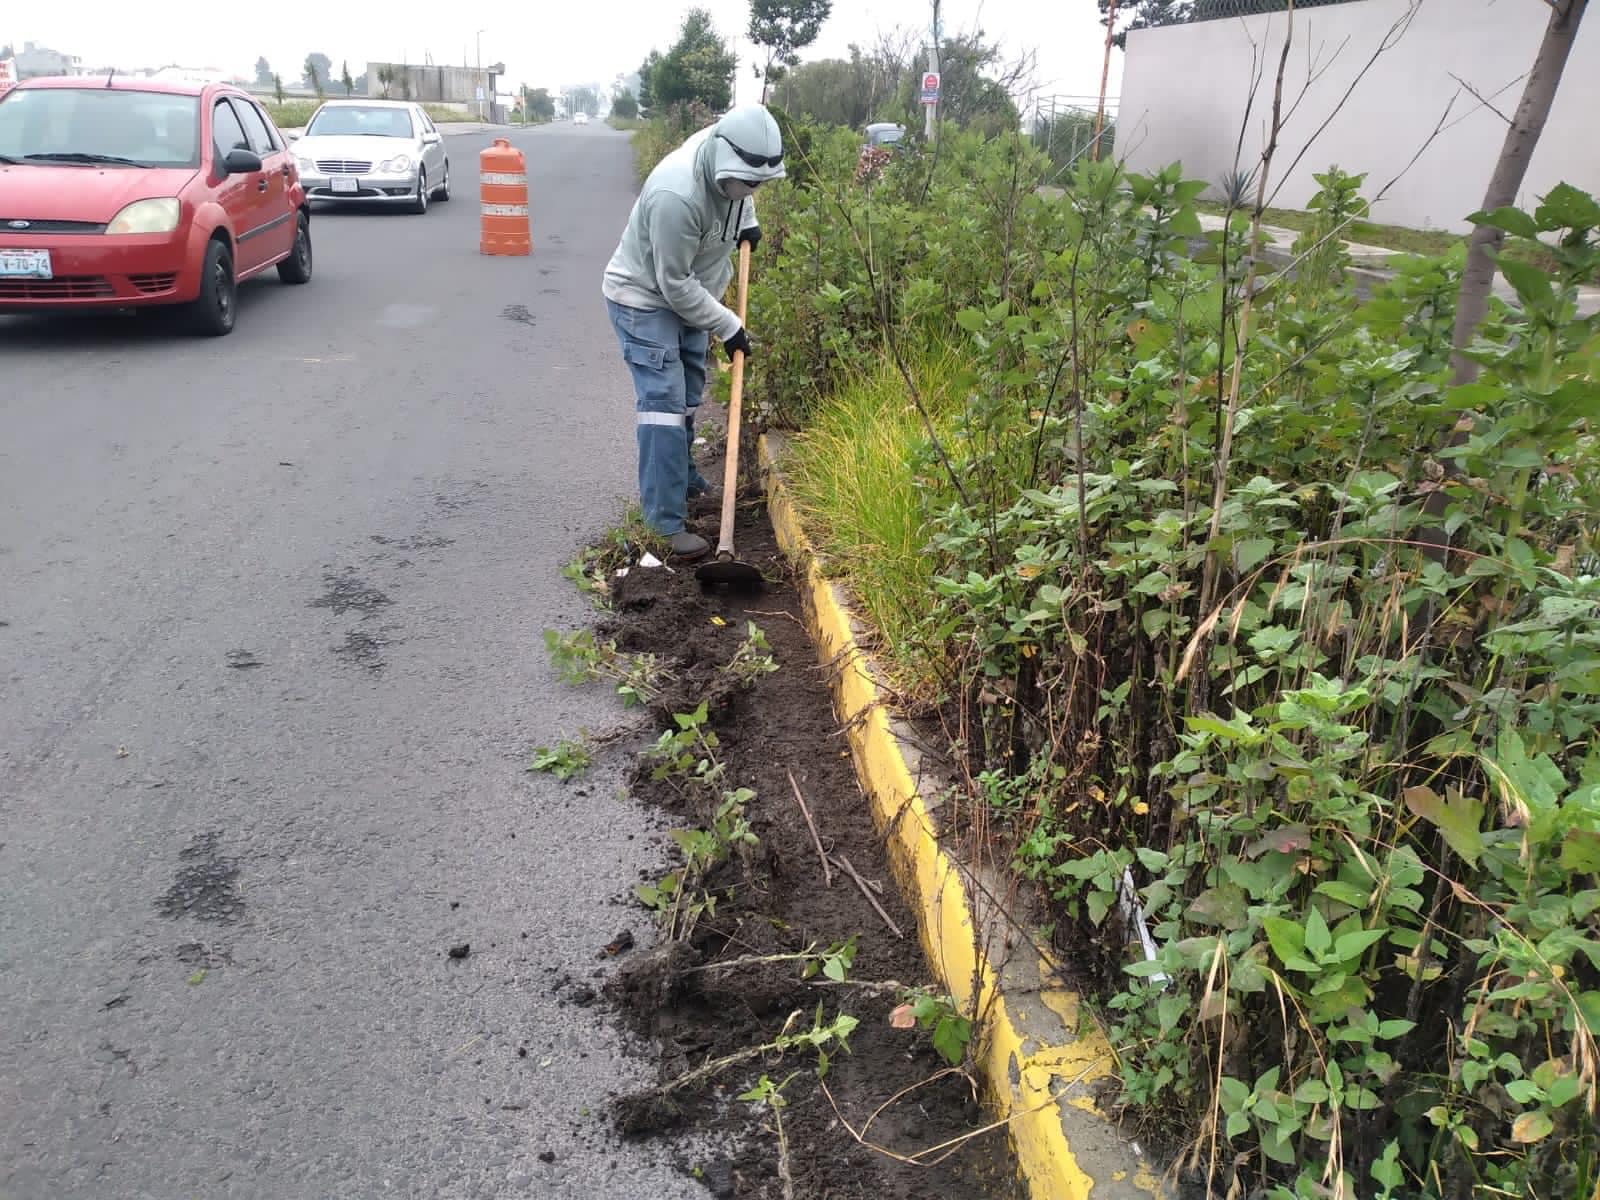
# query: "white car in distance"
[[373, 152]]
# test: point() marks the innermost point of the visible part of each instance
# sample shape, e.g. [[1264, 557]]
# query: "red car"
[[127, 195]]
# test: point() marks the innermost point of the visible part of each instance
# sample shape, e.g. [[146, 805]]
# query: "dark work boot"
[[688, 546]]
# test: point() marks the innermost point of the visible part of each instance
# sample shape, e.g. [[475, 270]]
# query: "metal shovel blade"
[[729, 572]]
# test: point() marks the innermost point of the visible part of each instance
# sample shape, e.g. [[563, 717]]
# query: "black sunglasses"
[[754, 160]]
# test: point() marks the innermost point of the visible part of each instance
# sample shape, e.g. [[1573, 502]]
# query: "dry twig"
[[843, 864], [822, 855]]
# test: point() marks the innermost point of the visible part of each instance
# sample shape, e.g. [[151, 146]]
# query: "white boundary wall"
[[1185, 89]]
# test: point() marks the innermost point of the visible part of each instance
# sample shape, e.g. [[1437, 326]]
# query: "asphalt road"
[[270, 670]]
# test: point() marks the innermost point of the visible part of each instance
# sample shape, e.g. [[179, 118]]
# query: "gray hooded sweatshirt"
[[676, 250]]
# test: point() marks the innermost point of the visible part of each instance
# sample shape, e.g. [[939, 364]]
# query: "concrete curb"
[[1038, 1057]]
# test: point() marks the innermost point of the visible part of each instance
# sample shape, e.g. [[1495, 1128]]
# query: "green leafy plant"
[[936, 1014], [580, 657], [679, 899], [567, 759], [770, 1095], [833, 963], [686, 756], [594, 568], [1210, 676], [753, 659]]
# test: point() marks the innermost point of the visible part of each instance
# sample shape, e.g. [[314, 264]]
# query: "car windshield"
[[100, 126], [345, 120]]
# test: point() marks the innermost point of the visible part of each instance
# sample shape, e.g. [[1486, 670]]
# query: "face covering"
[[738, 189]]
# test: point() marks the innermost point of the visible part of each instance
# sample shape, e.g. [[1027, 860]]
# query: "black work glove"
[[751, 235], [739, 342]]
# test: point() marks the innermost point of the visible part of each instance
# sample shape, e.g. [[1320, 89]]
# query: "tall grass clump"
[[861, 473]]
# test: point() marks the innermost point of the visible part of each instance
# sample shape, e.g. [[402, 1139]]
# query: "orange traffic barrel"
[[503, 183]]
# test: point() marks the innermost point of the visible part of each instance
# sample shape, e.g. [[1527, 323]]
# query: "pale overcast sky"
[[545, 44]]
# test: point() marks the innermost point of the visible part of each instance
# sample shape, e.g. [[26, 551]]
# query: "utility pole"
[[480, 72], [930, 112], [1105, 78]]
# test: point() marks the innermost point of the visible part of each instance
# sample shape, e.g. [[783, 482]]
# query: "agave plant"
[[1236, 187]]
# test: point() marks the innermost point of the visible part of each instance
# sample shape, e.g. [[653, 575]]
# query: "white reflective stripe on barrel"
[[502, 177], [505, 210]]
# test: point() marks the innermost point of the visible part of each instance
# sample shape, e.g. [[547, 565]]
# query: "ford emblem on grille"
[[19, 224]]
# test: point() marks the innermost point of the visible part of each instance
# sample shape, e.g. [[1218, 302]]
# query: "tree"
[[698, 69], [623, 105], [647, 69], [277, 88], [345, 81], [584, 100], [385, 78], [263, 72], [784, 28], [1522, 137], [975, 86], [318, 71], [538, 104], [871, 85]]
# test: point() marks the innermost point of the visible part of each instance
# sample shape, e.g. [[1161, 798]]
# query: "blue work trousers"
[[667, 360]]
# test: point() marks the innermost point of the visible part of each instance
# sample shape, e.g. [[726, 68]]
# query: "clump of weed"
[[581, 657], [753, 659], [567, 759]]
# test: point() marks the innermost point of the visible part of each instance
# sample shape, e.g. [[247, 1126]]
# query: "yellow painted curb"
[[1038, 1065]]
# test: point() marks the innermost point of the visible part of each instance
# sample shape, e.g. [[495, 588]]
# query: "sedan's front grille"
[[153, 285], [63, 287], [29, 225], [343, 166]]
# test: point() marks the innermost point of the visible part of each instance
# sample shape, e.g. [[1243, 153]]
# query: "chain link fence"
[[1063, 127]]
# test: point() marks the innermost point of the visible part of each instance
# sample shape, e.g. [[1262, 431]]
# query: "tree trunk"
[[1521, 140]]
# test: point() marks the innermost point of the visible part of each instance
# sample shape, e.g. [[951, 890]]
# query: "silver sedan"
[[373, 151]]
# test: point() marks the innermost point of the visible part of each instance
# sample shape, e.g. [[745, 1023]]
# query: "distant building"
[[467, 89], [35, 60]]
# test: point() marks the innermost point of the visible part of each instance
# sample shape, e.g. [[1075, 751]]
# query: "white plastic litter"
[[650, 560], [1127, 896]]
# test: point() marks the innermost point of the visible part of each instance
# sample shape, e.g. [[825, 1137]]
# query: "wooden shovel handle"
[[730, 467]]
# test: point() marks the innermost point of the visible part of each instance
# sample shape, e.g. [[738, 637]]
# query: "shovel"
[[725, 568]]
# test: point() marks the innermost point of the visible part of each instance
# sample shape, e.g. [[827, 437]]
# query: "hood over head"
[[749, 128]]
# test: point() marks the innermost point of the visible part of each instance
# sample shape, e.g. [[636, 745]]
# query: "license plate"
[[347, 185], [28, 264]]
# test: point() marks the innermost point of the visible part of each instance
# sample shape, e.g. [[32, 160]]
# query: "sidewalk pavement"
[[1373, 264]]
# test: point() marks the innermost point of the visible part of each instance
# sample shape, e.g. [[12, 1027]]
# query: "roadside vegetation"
[[294, 114], [1149, 536]]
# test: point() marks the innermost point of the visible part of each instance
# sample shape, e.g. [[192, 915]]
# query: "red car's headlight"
[[147, 216]]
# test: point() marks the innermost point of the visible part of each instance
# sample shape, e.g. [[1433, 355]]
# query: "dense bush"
[[1210, 667]]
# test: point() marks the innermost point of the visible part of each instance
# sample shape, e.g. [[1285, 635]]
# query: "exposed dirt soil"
[[775, 901]]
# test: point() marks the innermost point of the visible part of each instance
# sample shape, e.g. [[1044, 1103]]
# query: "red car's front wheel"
[[212, 313]]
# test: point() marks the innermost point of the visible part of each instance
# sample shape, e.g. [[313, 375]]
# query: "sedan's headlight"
[[400, 162], [147, 216], [306, 165]]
